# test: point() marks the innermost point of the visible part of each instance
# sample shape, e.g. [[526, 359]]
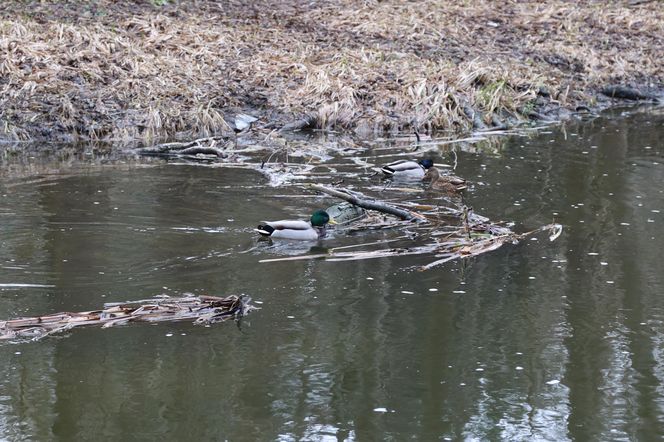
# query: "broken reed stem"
[[476, 247]]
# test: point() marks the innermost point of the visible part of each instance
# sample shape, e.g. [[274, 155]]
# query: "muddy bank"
[[165, 69]]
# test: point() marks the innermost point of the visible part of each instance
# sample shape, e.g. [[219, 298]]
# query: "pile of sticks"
[[200, 309]]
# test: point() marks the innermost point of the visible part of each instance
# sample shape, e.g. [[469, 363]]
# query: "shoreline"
[[145, 72]]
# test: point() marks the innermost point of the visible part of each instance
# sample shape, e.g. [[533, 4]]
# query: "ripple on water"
[[519, 341]]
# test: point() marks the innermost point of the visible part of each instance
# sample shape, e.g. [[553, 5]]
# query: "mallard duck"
[[446, 183], [407, 168], [296, 229]]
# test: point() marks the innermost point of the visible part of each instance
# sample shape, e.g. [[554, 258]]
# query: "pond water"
[[542, 340]]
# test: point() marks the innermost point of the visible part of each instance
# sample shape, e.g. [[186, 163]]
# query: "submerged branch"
[[628, 93]]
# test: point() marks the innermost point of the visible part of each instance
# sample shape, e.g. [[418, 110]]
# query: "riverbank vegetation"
[[147, 70]]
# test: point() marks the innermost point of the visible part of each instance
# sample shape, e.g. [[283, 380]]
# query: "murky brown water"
[[539, 341]]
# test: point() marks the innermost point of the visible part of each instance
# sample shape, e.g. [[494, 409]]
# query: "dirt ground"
[[157, 69]]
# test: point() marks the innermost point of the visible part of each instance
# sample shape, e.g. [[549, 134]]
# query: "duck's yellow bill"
[[332, 221]]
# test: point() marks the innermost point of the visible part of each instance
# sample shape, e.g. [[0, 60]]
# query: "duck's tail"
[[387, 170], [265, 229]]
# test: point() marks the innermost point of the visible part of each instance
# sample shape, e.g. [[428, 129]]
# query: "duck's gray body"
[[404, 169], [289, 229], [295, 229]]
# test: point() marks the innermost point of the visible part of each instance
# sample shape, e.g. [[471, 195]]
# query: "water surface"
[[538, 341]]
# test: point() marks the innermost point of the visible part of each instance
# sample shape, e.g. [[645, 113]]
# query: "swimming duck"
[[296, 229], [446, 183], [407, 168]]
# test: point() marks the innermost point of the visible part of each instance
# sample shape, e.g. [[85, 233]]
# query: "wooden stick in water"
[[379, 206]]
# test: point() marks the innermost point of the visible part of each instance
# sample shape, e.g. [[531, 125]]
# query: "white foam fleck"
[[27, 285]]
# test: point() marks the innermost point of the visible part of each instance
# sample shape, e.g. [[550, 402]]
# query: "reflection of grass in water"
[[22, 161]]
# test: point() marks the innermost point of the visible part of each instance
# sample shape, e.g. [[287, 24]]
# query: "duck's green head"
[[320, 218]]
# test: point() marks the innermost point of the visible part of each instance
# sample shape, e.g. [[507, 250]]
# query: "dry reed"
[[135, 70]]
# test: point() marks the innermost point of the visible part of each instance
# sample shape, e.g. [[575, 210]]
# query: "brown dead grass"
[[121, 70]]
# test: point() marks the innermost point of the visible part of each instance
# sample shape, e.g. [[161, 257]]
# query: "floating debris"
[[453, 233], [20, 285], [201, 309], [216, 146]]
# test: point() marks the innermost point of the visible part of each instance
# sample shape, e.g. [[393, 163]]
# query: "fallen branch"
[[202, 309], [308, 122], [208, 150], [379, 206], [627, 93], [207, 146]]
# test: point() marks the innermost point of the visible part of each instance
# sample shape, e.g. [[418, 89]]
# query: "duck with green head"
[[296, 229], [445, 183]]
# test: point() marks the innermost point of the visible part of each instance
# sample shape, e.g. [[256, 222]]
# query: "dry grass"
[[120, 70]]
